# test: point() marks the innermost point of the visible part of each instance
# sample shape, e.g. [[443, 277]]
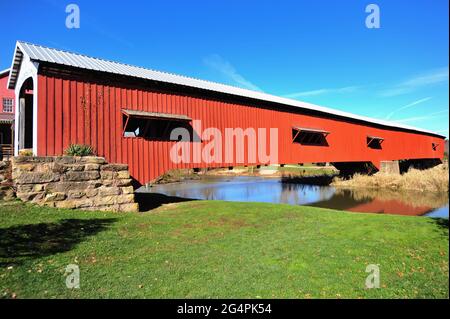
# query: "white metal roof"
[[44, 54]]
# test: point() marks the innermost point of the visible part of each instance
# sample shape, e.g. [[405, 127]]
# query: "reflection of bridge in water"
[[253, 189], [384, 202], [297, 193]]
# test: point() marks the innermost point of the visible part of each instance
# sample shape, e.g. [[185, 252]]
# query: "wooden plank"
[[66, 122]]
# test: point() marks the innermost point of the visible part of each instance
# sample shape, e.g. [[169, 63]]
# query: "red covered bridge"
[[127, 113]]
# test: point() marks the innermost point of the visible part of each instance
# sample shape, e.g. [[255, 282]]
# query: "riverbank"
[[430, 180], [275, 171], [215, 249], [307, 170]]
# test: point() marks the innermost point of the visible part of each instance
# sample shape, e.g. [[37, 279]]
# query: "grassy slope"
[[220, 249]]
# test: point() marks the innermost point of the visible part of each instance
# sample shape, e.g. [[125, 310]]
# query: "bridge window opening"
[[374, 142], [153, 126], [309, 136], [26, 115], [434, 146]]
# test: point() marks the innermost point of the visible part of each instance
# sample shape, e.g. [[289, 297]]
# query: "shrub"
[[79, 150], [26, 152]]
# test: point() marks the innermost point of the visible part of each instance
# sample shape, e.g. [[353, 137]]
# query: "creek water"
[[273, 190]]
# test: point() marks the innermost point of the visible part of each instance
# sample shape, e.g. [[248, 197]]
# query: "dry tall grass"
[[434, 179]]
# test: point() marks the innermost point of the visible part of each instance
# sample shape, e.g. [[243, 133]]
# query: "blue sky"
[[315, 51]]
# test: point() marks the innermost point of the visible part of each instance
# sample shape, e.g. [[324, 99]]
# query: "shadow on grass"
[[443, 224], [38, 240], [149, 201]]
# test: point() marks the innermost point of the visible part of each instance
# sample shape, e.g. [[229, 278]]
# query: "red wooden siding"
[[71, 111]]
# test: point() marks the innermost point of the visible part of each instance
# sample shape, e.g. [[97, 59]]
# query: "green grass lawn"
[[219, 249]]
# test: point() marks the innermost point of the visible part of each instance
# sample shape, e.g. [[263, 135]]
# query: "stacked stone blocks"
[[73, 182], [6, 184]]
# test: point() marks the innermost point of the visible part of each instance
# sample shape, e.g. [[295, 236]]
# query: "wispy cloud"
[[430, 78], [430, 116], [219, 64], [347, 89], [407, 106]]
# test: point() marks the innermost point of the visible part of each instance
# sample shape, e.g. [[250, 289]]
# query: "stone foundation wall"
[[390, 167], [6, 184], [73, 182]]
